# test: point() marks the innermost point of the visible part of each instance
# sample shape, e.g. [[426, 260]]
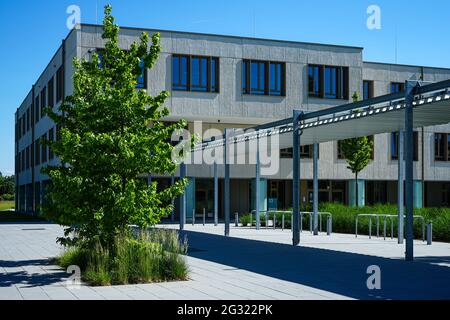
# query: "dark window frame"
[[397, 87], [37, 109], [211, 86], [266, 88], [368, 89], [51, 137], [51, 93], [394, 146], [443, 155], [43, 101], [342, 82], [59, 84]]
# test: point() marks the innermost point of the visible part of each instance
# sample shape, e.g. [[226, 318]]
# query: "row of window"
[[198, 73], [441, 148], [369, 88], [41, 154], [44, 99]]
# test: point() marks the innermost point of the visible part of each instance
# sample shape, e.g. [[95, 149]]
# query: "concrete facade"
[[230, 108]]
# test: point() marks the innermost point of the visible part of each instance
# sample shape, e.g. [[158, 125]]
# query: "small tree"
[[111, 137], [357, 152]]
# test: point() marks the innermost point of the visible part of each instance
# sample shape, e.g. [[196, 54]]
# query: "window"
[[51, 137], [328, 82], [442, 146], [51, 93], [195, 73], [142, 78], [306, 152], [43, 149], [397, 87], [340, 154], [368, 90], [36, 110], [27, 155], [28, 119], [43, 100], [263, 78], [394, 146], [180, 73], [24, 125], [37, 152], [59, 85]]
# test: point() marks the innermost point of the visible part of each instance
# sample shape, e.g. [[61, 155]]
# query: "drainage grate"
[[36, 229]]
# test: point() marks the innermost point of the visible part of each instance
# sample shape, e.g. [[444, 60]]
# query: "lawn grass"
[[6, 205]]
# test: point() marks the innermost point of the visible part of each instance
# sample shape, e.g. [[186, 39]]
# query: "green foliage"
[[111, 136], [6, 205], [7, 186], [149, 257]]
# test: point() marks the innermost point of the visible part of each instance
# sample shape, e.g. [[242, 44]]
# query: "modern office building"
[[238, 82]]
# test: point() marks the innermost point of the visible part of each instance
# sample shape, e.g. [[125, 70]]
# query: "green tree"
[[7, 185], [111, 136], [357, 152]]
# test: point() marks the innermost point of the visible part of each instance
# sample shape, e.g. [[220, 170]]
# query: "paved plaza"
[[249, 265]]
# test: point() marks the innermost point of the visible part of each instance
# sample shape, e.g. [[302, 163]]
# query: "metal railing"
[[385, 217], [266, 214]]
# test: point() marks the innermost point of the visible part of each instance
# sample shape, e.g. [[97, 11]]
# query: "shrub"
[[7, 197], [151, 256]]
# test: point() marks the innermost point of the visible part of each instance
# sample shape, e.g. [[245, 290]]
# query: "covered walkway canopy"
[[418, 106]]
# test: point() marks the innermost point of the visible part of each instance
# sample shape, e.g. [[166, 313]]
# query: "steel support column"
[[316, 189], [226, 189], [296, 177], [401, 178], [183, 198], [257, 186], [409, 190], [216, 195]]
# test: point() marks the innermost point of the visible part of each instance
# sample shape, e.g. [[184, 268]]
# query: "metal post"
[[329, 226], [257, 186], [401, 195], [282, 222], [172, 215], [183, 198], [274, 220], [430, 234], [204, 216], [216, 195], [296, 177], [384, 228], [193, 217], [356, 227], [409, 190], [226, 189], [236, 219], [316, 188], [378, 226], [370, 227]]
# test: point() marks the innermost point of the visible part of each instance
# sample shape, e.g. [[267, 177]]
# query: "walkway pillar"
[[257, 185], [226, 189], [172, 214], [418, 194], [409, 153], [296, 177], [316, 189], [182, 198], [216, 195], [361, 201], [190, 199], [400, 187]]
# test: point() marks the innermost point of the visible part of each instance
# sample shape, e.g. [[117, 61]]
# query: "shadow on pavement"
[[334, 271]]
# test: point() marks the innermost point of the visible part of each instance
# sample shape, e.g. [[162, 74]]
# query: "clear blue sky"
[[31, 31]]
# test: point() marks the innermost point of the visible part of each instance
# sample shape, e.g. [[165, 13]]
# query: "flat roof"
[[227, 36]]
